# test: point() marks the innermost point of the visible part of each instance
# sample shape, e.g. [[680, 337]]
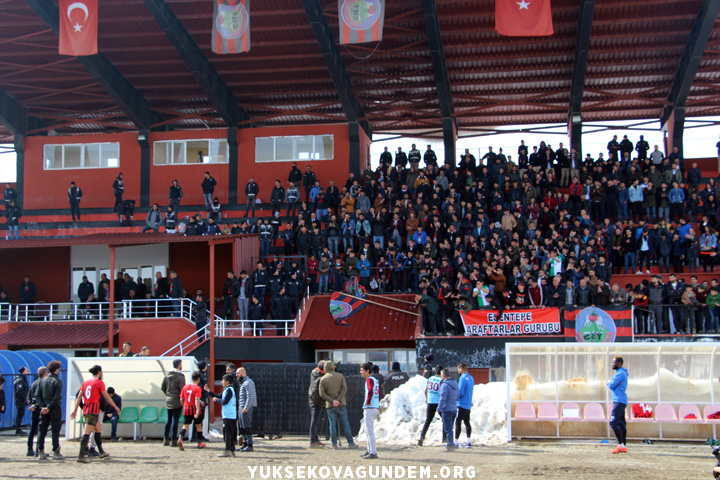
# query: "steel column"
[[111, 309], [233, 165], [20, 168], [449, 138], [211, 294], [587, 11], [145, 169]]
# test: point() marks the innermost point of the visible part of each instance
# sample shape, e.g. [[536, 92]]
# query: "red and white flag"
[[361, 21], [524, 18], [78, 27], [231, 26]]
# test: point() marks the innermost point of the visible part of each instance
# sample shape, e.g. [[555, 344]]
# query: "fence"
[[282, 393], [68, 311]]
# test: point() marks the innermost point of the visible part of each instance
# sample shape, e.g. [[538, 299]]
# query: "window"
[[294, 148], [190, 152], [85, 155]]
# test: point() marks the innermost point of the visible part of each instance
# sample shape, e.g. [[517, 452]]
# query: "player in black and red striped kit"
[[190, 396], [90, 393]]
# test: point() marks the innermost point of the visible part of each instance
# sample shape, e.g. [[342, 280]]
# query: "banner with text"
[[599, 325], [541, 321]]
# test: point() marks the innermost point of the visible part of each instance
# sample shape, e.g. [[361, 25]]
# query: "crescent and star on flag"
[[83, 7]]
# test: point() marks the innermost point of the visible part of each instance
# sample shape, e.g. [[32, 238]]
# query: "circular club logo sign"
[[360, 14], [593, 325], [232, 22]]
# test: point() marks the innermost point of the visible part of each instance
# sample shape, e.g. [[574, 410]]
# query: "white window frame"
[[295, 156], [82, 166], [185, 142]]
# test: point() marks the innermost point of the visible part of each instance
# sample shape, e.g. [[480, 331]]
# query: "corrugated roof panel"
[[57, 335]]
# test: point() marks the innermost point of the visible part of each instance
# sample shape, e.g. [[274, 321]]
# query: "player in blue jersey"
[[432, 397], [371, 404], [465, 386]]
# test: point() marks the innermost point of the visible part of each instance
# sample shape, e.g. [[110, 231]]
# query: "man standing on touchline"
[[618, 386], [371, 405]]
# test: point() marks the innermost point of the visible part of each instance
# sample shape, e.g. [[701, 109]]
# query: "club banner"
[[343, 307], [599, 325], [541, 321], [361, 21], [231, 26]]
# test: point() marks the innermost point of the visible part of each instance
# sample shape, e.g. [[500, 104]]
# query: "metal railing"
[[69, 311], [188, 344], [254, 328]]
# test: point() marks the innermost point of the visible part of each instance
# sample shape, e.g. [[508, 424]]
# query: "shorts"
[[190, 417], [617, 416], [91, 419]]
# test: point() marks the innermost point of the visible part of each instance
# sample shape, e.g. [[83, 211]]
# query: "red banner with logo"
[[78, 27], [361, 21], [599, 325], [539, 321], [231, 26]]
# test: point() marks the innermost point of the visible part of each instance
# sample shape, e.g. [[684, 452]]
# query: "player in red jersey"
[[192, 409], [90, 393]]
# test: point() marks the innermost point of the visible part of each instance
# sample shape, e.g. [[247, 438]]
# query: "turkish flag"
[[78, 27], [524, 18]]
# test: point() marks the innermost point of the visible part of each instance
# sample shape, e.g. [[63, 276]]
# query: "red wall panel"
[[48, 268], [48, 188], [191, 260], [147, 331]]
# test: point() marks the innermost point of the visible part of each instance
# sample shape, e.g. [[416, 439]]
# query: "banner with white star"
[[523, 18], [78, 27]]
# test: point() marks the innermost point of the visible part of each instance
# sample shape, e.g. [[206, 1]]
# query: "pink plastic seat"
[[665, 413], [548, 412], [711, 410], [594, 413], [525, 411], [635, 419], [570, 412], [686, 410]]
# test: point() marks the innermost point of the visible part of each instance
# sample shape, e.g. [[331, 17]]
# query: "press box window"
[[86, 155], [294, 148], [189, 152]]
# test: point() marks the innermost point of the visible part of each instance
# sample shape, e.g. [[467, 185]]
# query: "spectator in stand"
[[118, 190], [308, 181], [276, 197], [9, 194], [154, 219], [251, 192], [13, 214], [85, 289], [74, 196], [208, 188], [292, 196], [175, 193], [170, 220], [175, 292]]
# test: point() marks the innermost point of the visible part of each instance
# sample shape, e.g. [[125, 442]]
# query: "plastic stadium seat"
[[162, 418], [548, 412], [147, 415], [713, 410], [594, 412], [570, 412], [635, 419], [665, 413], [686, 410], [525, 411], [130, 415]]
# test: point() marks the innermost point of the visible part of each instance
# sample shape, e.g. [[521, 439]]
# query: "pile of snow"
[[403, 412]]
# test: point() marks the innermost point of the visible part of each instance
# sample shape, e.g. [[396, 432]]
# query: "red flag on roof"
[[78, 27], [231, 26], [523, 18], [361, 21]]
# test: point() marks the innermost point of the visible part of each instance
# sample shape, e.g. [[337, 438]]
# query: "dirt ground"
[[576, 460]]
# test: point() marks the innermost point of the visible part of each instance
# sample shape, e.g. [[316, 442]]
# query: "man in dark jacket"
[[317, 405], [171, 386], [308, 181], [20, 390], [28, 292], [49, 400], [230, 293], [175, 293], [74, 196], [251, 192], [280, 310], [208, 188], [447, 407], [111, 414], [85, 289], [200, 316], [118, 190], [32, 402], [395, 378], [276, 197], [295, 175], [583, 295], [13, 213]]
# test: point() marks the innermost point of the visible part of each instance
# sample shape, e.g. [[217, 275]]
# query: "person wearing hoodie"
[[618, 385], [20, 389], [153, 220], [171, 386], [333, 390], [316, 404], [447, 406], [464, 403]]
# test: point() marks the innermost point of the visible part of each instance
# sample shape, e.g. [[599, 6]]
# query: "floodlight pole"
[[211, 373], [111, 309]]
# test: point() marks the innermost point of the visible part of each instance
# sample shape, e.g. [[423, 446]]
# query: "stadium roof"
[[143, 78], [56, 335]]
